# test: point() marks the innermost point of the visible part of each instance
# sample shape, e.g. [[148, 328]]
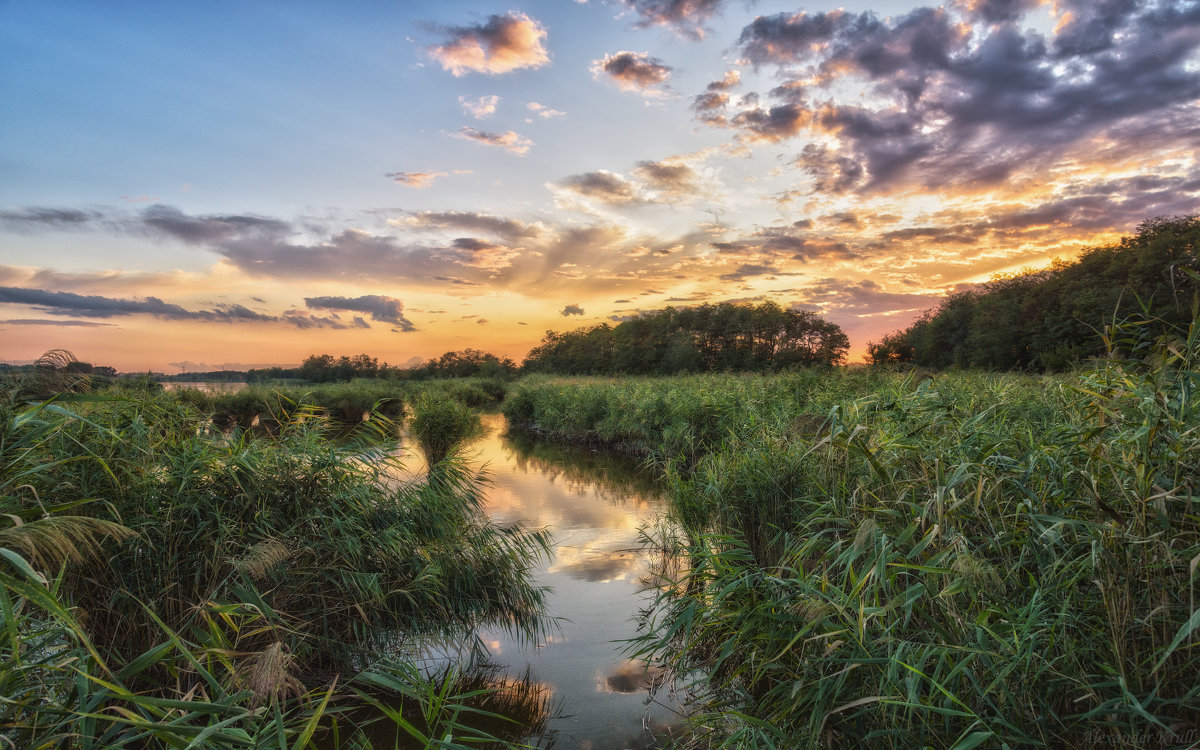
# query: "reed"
[[441, 425], [892, 559], [968, 562], [189, 585]]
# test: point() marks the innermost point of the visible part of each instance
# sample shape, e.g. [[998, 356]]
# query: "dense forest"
[[703, 338], [1048, 319]]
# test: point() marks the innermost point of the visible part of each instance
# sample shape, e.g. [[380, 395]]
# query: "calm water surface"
[[593, 504]]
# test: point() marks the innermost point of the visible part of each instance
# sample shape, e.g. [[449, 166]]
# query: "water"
[[209, 386], [593, 504]]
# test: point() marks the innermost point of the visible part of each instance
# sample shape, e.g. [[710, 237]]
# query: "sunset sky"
[[230, 185]]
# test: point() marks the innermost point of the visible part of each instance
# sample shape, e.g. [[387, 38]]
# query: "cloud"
[[208, 229], [543, 111], [634, 71], [772, 124], [571, 310], [996, 11], [603, 186], [509, 229], [383, 309], [415, 179], [686, 17], [862, 298], [747, 270], [65, 323], [508, 140], [97, 306], [668, 177], [710, 105], [43, 218], [948, 107], [501, 45], [791, 242], [481, 108]]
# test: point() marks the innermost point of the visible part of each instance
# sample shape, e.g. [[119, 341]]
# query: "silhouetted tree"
[[1048, 319]]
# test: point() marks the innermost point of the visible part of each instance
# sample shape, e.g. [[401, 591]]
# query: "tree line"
[[702, 338], [325, 368], [1049, 319]]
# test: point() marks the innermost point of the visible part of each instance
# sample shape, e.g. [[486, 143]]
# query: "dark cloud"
[[502, 44], [791, 242], [1090, 25], [634, 71], [668, 177], [954, 108], [94, 306], [42, 218], [832, 172], [301, 319], [508, 140], [996, 11], [710, 105], [65, 323], [772, 124], [473, 244], [383, 309], [843, 220], [603, 186], [210, 229], [509, 229], [686, 17], [97, 306], [571, 310], [747, 270]]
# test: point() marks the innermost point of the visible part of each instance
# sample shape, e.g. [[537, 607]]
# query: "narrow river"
[[594, 505]]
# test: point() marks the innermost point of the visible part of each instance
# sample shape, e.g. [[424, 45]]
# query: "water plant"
[[441, 425], [216, 585], [969, 562], [891, 559]]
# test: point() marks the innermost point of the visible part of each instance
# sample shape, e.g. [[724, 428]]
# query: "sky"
[[230, 185]]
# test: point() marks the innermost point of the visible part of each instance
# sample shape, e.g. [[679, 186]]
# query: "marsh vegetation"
[[165, 582], [891, 559], [852, 556]]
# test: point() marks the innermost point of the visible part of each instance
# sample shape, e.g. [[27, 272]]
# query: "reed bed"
[[892, 560], [681, 415], [346, 403], [164, 583]]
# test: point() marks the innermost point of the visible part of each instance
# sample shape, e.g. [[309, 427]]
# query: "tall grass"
[[221, 582], [441, 426], [667, 417], [893, 560], [970, 562]]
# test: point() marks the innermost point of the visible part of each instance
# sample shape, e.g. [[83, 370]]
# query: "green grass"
[[891, 560], [165, 581], [442, 425]]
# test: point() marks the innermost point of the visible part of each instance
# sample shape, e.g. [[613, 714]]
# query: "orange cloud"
[[503, 44]]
